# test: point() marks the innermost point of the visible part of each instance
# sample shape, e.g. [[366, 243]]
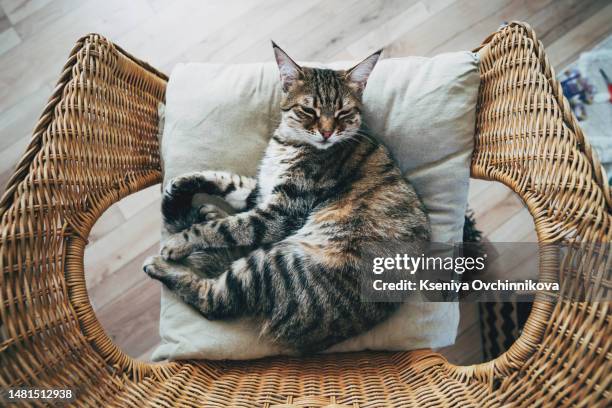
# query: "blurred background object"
[[586, 84]]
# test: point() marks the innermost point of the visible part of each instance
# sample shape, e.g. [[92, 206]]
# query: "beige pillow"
[[221, 116]]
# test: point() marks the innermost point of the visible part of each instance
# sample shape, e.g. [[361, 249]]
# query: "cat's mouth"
[[324, 143], [326, 136]]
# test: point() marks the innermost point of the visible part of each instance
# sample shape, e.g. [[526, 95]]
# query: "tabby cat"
[[327, 197]]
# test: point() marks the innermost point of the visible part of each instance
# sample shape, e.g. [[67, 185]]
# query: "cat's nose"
[[326, 134]]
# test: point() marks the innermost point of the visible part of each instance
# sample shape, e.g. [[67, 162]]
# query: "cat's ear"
[[290, 71], [359, 74]]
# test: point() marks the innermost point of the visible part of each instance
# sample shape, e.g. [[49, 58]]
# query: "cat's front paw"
[[177, 246], [210, 212]]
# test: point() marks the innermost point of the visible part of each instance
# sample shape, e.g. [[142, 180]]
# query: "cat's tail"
[[177, 210]]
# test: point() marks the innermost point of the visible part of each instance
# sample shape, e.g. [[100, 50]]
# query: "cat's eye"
[[308, 111], [344, 113]]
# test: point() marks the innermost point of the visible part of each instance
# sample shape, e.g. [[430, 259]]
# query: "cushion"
[[220, 117]]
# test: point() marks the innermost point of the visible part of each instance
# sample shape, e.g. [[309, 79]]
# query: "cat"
[[327, 197]]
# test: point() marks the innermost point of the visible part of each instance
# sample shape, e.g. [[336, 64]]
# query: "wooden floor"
[[37, 35]]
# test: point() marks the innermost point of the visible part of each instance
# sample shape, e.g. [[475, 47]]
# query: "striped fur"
[[328, 198]]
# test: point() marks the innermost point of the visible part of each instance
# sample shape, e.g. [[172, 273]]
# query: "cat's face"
[[321, 107]]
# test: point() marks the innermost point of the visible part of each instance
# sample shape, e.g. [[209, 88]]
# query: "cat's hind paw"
[[168, 273], [184, 183], [156, 267]]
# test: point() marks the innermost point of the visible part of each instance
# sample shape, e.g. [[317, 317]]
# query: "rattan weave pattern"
[[96, 142]]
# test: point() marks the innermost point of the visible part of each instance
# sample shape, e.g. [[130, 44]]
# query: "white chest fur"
[[273, 168]]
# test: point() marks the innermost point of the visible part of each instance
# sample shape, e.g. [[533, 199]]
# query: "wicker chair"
[[96, 142]]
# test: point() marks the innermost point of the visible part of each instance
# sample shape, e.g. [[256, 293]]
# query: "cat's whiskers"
[[355, 136]]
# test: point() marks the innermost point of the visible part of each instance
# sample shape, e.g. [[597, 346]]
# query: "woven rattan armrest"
[[527, 138], [96, 142]]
